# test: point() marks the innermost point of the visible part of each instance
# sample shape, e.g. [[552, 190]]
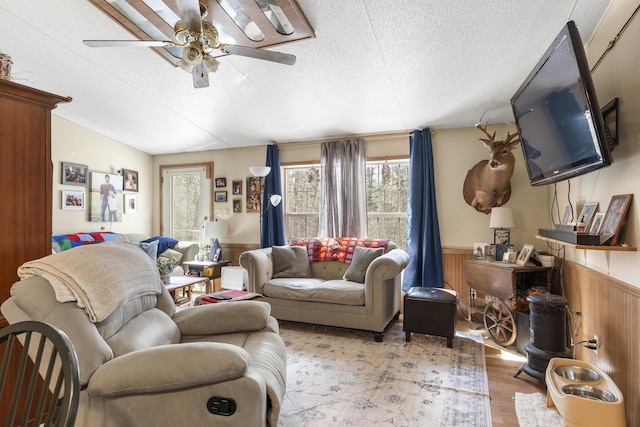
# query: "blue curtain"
[[423, 234], [272, 233]]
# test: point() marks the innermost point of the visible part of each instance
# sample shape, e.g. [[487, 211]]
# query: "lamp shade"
[[275, 199], [501, 218], [215, 229], [259, 171]]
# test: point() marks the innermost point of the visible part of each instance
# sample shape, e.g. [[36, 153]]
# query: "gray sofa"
[[326, 298], [146, 364]]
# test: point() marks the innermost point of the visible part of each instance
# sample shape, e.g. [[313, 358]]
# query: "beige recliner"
[[148, 365]]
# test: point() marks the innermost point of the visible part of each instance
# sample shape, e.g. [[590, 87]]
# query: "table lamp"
[[501, 221]]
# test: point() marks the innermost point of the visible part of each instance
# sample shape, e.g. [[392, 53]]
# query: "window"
[[387, 200], [302, 201]]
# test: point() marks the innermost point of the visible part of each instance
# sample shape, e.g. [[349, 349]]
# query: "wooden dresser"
[[25, 178]]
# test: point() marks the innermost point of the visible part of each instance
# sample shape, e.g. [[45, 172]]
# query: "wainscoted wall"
[[609, 309], [232, 251]]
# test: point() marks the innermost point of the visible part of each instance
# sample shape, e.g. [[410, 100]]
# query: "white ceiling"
[[374, 66]]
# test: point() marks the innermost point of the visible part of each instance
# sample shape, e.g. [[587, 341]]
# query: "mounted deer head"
[[488, 183]]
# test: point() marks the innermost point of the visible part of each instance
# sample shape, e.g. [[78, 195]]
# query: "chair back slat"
[[46, 390]]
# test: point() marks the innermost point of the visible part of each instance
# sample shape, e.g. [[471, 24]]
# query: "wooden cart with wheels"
[[499, 282]]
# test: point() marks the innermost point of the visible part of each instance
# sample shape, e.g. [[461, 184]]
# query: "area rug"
[[532, 411], [339, 377]]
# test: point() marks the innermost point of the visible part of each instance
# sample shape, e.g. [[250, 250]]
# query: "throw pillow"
[[164, 243], [150, 248], [173, 255], [290, 261], [362, 257]]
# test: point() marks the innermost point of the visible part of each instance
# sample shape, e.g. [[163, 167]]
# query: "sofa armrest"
[[151, 370], [259, 268], [387, 266], [189, 251], [223, 318]]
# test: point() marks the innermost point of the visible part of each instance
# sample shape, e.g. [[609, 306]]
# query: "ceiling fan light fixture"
[[186, 67], [211, 63]]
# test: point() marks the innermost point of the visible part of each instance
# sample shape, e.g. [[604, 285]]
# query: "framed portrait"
[[221, 196], [236, 187], [73, 200], [254, 193], [478, 250], [106, 197], [613, 219], [525, 254], [130, 203], [567, 216], [237, 205], [74, 174], [221, 182], [596, 223], [587, 213], [130, 180]]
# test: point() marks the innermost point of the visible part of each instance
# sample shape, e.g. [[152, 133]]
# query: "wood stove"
[[548, 329]]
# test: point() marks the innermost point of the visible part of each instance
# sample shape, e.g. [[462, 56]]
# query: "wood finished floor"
[[502, 385]]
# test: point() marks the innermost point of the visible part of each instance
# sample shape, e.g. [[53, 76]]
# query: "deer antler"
[[483, 129], [510, 137]]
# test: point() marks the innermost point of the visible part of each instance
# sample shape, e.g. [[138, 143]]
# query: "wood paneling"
[[609, 309], [232, 251]]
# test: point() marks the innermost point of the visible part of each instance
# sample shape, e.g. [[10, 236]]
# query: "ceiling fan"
[[197, 38]]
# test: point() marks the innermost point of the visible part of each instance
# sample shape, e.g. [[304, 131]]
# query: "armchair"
[[148, 364]]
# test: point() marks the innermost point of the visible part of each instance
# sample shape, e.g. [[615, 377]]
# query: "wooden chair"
[[46, 390]]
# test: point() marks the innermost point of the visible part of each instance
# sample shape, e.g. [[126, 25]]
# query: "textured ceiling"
[[374, 66]]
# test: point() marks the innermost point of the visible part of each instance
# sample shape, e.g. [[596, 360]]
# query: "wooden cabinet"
[[25, 178]]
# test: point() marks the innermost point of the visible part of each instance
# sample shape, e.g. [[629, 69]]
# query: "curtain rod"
[[334, 138]]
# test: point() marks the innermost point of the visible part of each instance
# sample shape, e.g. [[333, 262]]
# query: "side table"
[[183, 283], [209, 269]]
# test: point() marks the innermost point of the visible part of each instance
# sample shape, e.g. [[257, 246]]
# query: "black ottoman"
[[430, 311]]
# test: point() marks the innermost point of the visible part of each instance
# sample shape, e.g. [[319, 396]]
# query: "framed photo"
[[217, 255], [597, 222], [254, 193], [73, 200], [130, 180], [478, 250], [567, 216], [236, 187], [74, 174], [106, 197], [130, 203], [221, 182], [613, 219], [221, 196], [524, 255], [587, 213], [237, 205]]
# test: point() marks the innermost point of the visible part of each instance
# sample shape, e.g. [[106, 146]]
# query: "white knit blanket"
[[98, 277]]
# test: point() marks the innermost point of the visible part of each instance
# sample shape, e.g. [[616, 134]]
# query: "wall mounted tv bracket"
[[610, 116]]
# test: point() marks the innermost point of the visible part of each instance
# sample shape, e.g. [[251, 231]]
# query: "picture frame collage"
[[109, 196]]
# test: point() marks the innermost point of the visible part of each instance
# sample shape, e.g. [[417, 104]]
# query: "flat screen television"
[[562, 131]]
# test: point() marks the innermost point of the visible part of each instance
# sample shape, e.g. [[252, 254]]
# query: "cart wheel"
[[500, 323]]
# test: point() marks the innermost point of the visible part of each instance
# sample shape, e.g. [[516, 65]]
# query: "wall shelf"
[[590, 247]]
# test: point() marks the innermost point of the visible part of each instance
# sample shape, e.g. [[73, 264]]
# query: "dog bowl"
[[576, 373], [588, 392]]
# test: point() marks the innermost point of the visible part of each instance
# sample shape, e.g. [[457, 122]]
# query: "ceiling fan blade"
[[190, 14], [128, 43], [267, 55], [200, 76]]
